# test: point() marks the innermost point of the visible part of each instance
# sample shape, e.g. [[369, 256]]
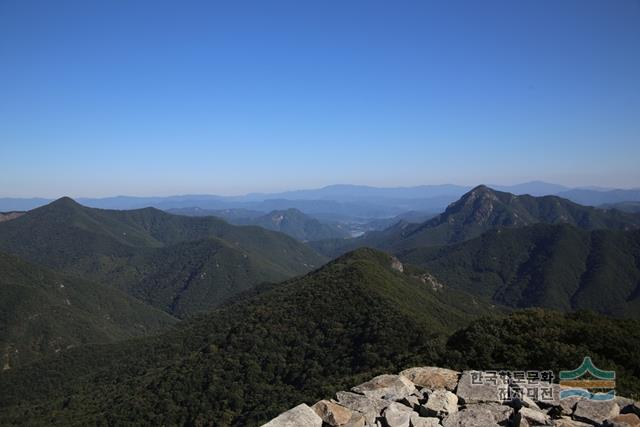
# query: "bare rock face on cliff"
[[438, 397]]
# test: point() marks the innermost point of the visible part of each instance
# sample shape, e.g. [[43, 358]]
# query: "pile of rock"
[[437, 397]]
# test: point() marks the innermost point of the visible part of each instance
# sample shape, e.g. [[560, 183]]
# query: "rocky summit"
[[438, 397]]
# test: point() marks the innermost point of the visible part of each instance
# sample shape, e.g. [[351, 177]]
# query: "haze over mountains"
[[478, 211], [290, 221], [213, 211], [247, 311], [346, 200]]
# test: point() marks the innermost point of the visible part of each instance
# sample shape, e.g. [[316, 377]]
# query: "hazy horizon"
[[83, 196]]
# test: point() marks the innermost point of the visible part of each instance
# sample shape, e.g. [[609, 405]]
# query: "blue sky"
[[155, 98]]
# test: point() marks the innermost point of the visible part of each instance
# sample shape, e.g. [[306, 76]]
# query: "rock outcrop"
[[437, 397]]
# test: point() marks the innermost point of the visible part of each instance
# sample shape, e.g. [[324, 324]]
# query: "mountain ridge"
[[300, 341], [351, 317], [481, 210], [129, 249], [554, 266]]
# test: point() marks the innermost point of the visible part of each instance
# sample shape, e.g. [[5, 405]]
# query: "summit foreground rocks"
[[437, 397]]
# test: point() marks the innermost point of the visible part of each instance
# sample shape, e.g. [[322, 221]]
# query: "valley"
[[137, 309]]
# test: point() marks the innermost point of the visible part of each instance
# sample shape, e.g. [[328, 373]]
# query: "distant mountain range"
[[242, 311], [182, 265], [480, 210], [290, 221], [346, 200]]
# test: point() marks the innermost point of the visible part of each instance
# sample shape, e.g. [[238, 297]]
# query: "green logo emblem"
[[588, 377]]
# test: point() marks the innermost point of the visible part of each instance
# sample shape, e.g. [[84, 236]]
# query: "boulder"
[[411, 401], [501, 413], [568, 405], [472, 416], [469, 392], [433, 378], [397, 415], [370, 408], [392, 387], [418, 421], [440, 403], [524, 402], [624, 420], [568, 422], [422, 395], [625, 404], [559, 407], [301, 415], [595, 412], [529, 416], [332, 413], [357, 420]]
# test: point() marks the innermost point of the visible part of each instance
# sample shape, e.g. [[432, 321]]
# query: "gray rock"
[[433, 378], [532, 417], [357, 420], [624, 420], [595, 412], [396, 264], [501, 413], [568, 405], [370, 408], [418, 421], [521, 422], [300, 416], [422, 395], [625, 404], [332, 413], [440, 403], [568, 422], [411, 401], [469, 392], [472, 416], [392, 387], [397, 415]]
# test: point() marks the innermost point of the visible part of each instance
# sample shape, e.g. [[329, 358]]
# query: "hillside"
[[411, 217], [180, 264], [291, 221], [298, 225], [549, 340], [429, 396], [229, 215], [630, 207], [301, 341], [554, 266], [43, 312], [7, 216], [480, 210], [297, 340]]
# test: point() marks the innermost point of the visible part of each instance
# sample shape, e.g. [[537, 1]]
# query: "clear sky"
[[155, 98]]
